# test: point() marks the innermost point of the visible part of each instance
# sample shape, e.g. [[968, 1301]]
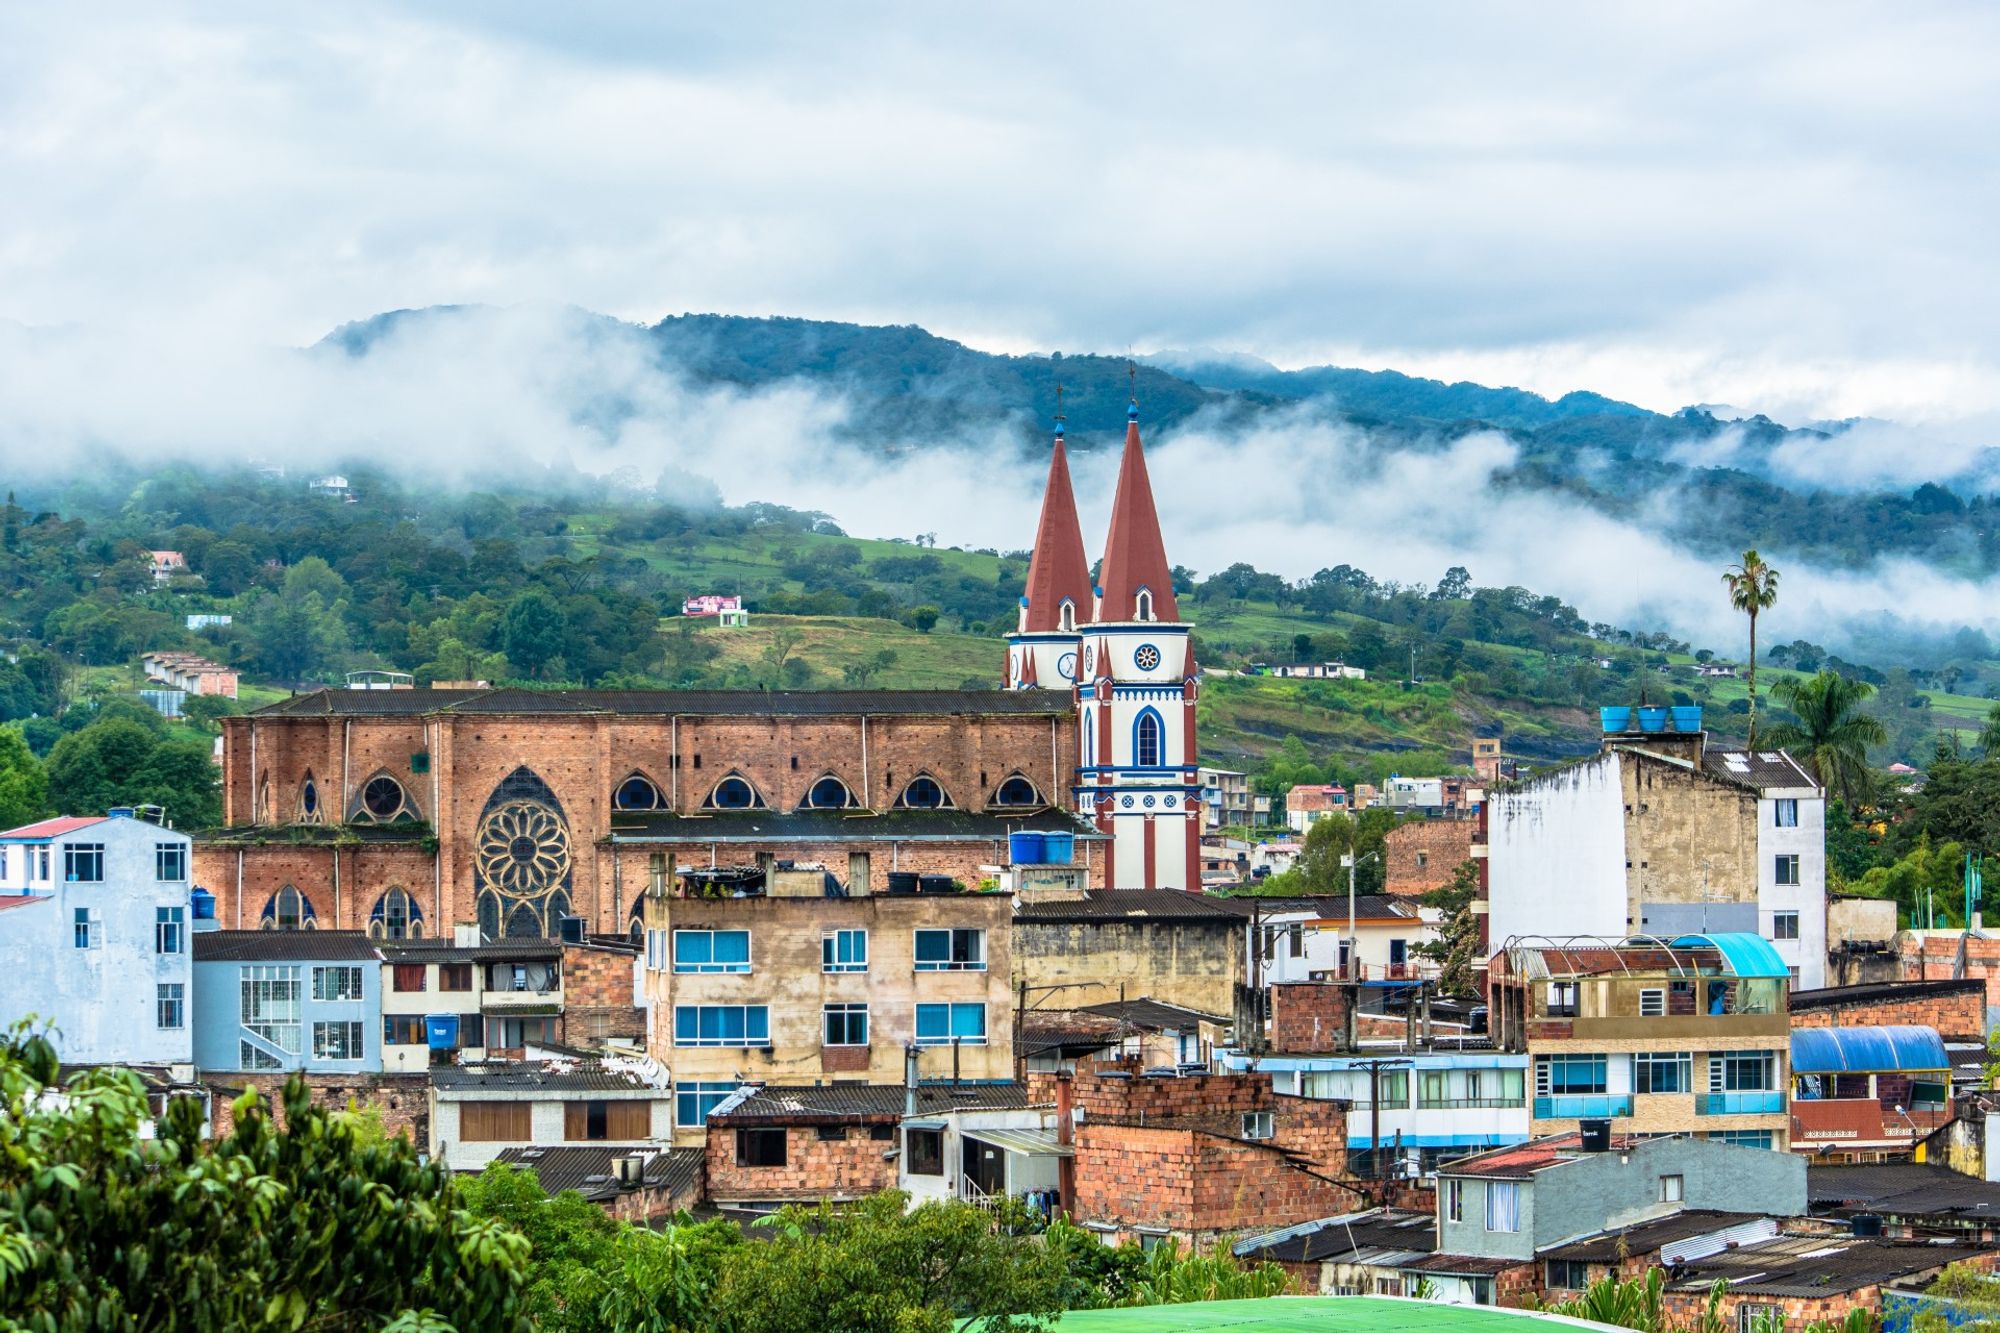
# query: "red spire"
[[1135, 557], [1058, 569]]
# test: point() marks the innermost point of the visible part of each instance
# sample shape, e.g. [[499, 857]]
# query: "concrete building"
[[1229, 800], [477, 1111], [191, 673], [1683, 1037], [1306, 805], [281, 1001], [1659, 834], [1185, 949], [457, 1000], [95, 914], [785, 981], [1306, 938]]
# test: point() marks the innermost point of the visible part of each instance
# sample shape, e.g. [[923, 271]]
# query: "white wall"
[[1808, 897], [545, 1129], [1556, 850]]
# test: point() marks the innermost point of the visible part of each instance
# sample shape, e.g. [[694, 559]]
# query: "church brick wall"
[[365, 871]]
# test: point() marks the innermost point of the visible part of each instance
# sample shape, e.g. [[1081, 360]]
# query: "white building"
[[478, 1110], [94, 921], [1661, 835], [1305, 939]]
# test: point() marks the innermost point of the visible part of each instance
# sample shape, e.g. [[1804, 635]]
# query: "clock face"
[[1147, 657], [1066, 665]]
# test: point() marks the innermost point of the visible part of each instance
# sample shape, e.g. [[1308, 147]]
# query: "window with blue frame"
[[694, 1099], [843, 951], [711, 951], [1742, 1138], [1565, 1075], [1147, 740], [943, 1024], [722, 1025]]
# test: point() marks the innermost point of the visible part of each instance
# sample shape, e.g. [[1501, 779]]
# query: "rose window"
[[523, 849], [1147, 657]]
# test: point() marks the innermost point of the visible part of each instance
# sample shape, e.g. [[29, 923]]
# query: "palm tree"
[[1989, 735], [1753, 587], [1832, 733]]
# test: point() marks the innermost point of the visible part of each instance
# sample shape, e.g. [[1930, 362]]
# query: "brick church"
[[406, 811]]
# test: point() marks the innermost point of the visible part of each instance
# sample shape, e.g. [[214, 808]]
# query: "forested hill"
[[910, 389]]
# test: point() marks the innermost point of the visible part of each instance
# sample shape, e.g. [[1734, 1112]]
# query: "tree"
[[118, 761], [922, 618], [24, 783], [1455, 586], [1456, 949], [533, 632], [871, 1267], [1989, 735], [1832, 730], [310, 1226], [1753, 588]]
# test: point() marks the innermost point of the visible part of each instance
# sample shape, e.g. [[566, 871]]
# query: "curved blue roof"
[[1747, 955], [1873, 1050]]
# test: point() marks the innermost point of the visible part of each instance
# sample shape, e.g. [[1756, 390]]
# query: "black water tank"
[[571, 928], [1866, 1224], [936, 883], [902, 881], [1596, 1135]]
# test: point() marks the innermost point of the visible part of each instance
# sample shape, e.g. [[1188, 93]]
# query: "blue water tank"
[[1026, 849], [1615, 719], [202, 903], [1652, 718], [1059, 848], [1687, 717], [441, 1030]]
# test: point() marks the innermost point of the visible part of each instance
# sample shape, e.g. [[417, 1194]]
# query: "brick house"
[[1203, 1156], [1421, 854], [1956, 1009], [1350, 1254], [1804, 1278], [632, 1185], [604, 993]]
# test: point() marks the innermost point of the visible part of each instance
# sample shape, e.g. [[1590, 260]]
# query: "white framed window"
[[1784, 925], [843, 951], [656, 949], [711, 951], [170, 864], [1786, 868], [1672, 1189], [170, 1005], [1759, 1318], [169, 929], [337, 1041], [1503, 1205], [1652, 1001], [1258, 1125], [740, 1025], [41, 859], [1454, 1201], [83, 863], [336, 983], [844, 1024], [1785, 812], [87, 930], [956, 950], [1663, 1071], [694, 1099], [270, 1009], [1741, 1071]]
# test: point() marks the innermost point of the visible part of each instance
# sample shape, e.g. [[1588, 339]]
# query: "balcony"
[[1584, 1106], [1739, 1103], [522, 1003], [1861, 1122]]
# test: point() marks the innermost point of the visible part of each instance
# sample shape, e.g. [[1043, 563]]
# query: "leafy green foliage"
[[1456, 948], [316, 1225], [1829, 731], [24, 783], [123, 761]]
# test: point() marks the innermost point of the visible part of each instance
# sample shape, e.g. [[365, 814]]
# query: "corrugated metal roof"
[[786, 1104], [670, 703], [283, 946], [1033, 1142], [1615, 1244], [1139, 904], [1867, 1050], [608, 1075], [1747, 955], [592, 1171]]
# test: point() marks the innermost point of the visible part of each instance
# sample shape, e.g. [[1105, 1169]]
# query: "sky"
[[1786, 208]]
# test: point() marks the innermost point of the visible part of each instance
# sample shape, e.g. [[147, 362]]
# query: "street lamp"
[[1353, 944]]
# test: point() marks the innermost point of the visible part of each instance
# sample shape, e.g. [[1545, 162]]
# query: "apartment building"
[[1229, 800], [95, 913], [786, 983], [1689, 1036], [447, 1001], [280, 1001], [478, 1111]]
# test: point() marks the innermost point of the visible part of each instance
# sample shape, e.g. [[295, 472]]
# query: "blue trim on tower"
[[1159, 738]]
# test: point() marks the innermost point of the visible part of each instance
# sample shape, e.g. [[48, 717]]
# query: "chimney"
[[909, 1080], [1066, 1137]]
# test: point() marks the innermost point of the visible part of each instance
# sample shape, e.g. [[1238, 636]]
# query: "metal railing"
[[1739, 1103], [1583, 1106]]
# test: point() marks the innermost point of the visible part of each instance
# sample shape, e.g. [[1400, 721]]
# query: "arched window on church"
[[1147, 747], [1017, 790], [309, 807], [639, 792], [383, 801], [396, 916], [288, 909], [1142, 605], [829, 793], [924, 793], [635, 929], [1066, 618], [734, 793]]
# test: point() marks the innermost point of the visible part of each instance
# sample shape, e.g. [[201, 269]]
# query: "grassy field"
[[942, 659]]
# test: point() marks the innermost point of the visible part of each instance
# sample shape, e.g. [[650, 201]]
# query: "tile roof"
[[843, 825], [606, 1075], [283, 946], [1833, 996], [1392, 1235], [14, 900], [592, 1171], [1816, 1266], [1903, 1188], [1615, 1244], [50, 828], [1518, 1161], [670, 703], [1137, 904], [779, 1104], [1332, 906]]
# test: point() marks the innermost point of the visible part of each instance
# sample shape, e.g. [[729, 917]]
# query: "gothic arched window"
[[829, 793], [639, 792], [309, 811], [1148, 751], [924, 793], [1142, 605], [1066, 618], [1017, 790], [734, 793], [288, 909], [396, 916]]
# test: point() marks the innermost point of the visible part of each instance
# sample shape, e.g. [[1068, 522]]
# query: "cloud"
[[1781, 207], [467, 396]]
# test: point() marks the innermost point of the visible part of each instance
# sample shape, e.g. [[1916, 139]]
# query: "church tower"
[[1138, 779], [1042, 651]]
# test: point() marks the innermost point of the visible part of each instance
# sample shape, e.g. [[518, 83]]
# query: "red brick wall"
[[814, 1169], [1309, 1017], [363, 873], [1955, 1016], [598, 991], [402, 1098], [1420, 855]]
